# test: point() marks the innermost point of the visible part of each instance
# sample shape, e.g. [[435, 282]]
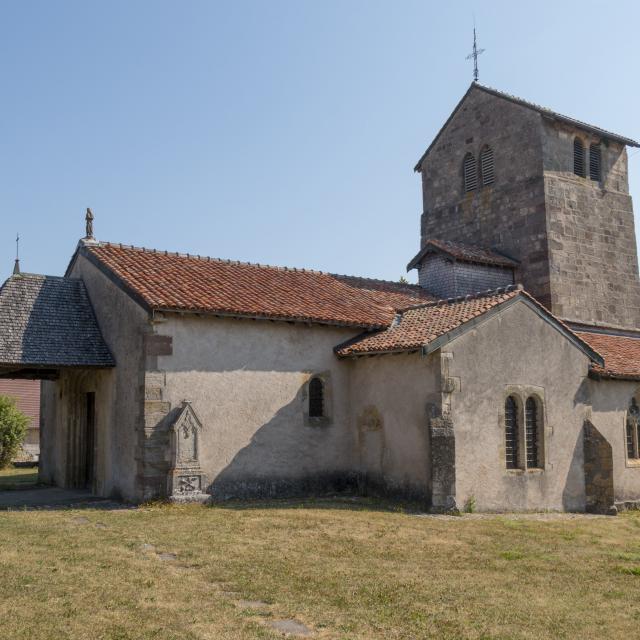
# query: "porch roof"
[[47, 323]]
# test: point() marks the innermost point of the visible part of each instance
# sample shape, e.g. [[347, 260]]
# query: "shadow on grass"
[[16, 478], [335, 502]]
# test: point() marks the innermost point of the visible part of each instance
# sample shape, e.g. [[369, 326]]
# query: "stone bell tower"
[[546, 190]]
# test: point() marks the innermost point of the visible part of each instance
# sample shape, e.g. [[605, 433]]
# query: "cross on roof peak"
[[474, 55]]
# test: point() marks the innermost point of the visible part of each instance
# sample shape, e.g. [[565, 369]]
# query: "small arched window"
[[578, 157], [594, 162], [486, 166], [316, 398], [470, 172], [511, 432], [532, 433], [633, 428]]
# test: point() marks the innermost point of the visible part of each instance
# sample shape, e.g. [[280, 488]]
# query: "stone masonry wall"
[[592, 245], [509, 214], [574, 237]]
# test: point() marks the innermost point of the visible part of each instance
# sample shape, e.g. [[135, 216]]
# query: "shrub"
[[470, 505], [13, 429]]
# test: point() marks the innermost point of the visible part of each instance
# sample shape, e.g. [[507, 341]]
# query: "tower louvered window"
[[316, 398], [511, 432], [594, 162], [532, 432], [470, 173], [633, 431], [578, 157], [486, 166]]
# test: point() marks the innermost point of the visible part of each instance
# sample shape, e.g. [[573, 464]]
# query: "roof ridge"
[[192, 256], [27, 274], [470, 296], [556, 114]]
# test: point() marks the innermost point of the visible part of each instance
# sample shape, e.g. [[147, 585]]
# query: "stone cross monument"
[[186, 480]]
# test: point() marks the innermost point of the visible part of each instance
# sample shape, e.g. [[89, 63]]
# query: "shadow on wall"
[[573, 492], [288, 458], [598, 471]]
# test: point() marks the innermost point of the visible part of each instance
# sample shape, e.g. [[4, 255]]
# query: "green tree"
[[13, 429]]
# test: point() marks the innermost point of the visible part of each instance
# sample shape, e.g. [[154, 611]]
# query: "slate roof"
[[621, 354], [46, 321], [425, 325], [464, 253], [549, 113], [177, 282]]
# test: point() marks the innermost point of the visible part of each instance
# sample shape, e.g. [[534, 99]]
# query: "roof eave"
[[509, 263], [612, 375], [55, 365], [273, 318], [382, 352]]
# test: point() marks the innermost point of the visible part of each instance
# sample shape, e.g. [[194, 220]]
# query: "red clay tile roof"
[[418, 326], [169, 281], [463, 252], [621, 354]]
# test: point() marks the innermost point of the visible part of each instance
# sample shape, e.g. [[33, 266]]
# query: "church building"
[[507, 379]]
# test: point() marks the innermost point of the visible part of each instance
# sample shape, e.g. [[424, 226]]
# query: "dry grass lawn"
[[345, 569]]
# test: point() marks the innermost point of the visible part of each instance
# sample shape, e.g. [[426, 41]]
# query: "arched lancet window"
[[594, 162], [633, 430], [316, 398], [511, 432], [470, 172], [486, 166], [578, 157], [532, 433]]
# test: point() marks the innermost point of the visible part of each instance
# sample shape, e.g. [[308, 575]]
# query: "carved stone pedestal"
[[186, 482]]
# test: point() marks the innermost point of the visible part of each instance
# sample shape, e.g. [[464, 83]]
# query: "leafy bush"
[[470, 505], [13, 429]]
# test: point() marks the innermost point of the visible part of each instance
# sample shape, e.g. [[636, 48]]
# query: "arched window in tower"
[[595, 158], [470, 173], [486, 166], [532, 420], [578, 157], [316, 398], [511, 432]]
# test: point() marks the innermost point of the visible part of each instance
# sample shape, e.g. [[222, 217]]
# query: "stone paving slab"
[[290, 628]]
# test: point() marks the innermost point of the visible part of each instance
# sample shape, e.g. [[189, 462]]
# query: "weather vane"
[[474, 54]]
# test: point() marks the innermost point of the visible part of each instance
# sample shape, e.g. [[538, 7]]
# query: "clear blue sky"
[[280, 132]]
